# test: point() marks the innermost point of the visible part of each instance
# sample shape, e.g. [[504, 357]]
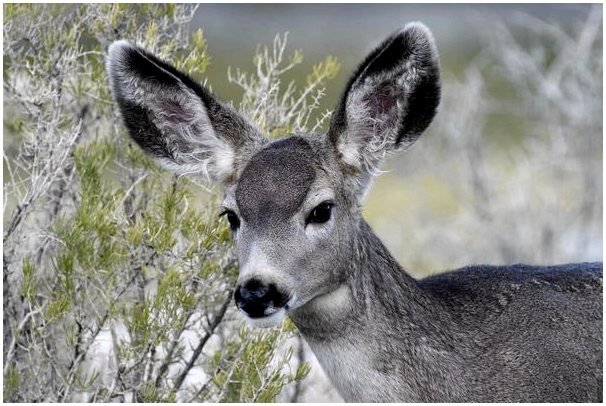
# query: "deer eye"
[[234, 221], [321, 213]]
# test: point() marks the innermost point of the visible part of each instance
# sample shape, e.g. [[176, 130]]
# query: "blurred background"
[[511, 169], [509, 172]]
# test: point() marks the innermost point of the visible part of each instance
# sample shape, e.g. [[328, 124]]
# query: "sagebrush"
[[118, 277]]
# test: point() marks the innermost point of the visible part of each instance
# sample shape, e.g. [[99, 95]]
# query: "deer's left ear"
[[389, 101]]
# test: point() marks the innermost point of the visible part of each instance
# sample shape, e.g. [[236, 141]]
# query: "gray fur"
[[483, 333], [479, 334], [275, 182]]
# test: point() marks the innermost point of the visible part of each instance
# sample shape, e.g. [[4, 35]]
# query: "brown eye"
[[320, 214], [234, 221]]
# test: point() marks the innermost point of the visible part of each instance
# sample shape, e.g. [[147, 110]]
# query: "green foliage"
[[125, 253], [11, 382], [281, 110], [238, 375], [196, 61], [323, 71], [28, 284]]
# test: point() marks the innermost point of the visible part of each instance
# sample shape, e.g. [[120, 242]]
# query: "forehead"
[[276, 180]]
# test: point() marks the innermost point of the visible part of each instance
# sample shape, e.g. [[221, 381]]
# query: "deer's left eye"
[[234, 221], [321, 213]]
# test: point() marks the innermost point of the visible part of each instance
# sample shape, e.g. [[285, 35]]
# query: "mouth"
[[272, 316]]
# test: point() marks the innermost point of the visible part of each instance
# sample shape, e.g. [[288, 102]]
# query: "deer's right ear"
[[176, 120]]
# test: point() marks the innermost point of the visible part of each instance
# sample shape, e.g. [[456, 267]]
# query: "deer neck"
[[374, 289], [376, 324]]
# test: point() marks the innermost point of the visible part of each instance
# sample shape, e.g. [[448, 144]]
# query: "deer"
[[511, 333]]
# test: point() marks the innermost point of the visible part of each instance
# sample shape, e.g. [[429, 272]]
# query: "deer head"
[[293, 204]]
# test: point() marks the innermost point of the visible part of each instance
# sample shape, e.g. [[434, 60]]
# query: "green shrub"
[[118, 276]]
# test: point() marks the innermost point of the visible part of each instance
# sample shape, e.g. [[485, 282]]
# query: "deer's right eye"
[[234, 221], [320, 214]]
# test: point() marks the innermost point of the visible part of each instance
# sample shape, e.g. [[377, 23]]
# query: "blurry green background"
[[349, 32]]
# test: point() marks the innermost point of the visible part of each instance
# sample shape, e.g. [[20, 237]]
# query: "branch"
[[169, 356], [11, 347], [215, 322]]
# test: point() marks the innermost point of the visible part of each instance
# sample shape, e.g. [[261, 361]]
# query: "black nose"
[[256, 297]]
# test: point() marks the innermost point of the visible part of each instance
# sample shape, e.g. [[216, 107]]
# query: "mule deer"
[[481, 333]]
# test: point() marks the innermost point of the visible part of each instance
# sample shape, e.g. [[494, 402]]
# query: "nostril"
[[254, 297]]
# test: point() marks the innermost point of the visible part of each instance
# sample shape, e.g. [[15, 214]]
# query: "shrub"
[[118, 276]]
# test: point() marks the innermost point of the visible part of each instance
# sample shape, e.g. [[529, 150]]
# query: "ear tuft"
[[116, 51], [116, 54], [421, 42]]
